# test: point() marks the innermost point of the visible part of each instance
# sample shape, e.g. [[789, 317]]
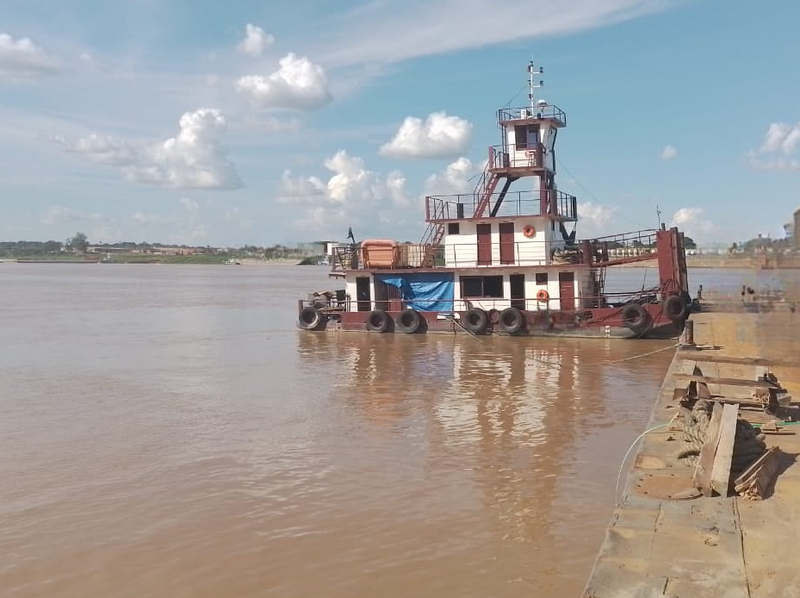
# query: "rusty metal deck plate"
[[667, 486]]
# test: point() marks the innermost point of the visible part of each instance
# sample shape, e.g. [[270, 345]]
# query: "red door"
[[506, 242], [566, 290], [484, 244]]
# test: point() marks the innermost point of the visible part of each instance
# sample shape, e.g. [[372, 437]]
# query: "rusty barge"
[[503, 261]]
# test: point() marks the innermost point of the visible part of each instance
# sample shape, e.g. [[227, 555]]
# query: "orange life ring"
[[528, 231], [542, 295]]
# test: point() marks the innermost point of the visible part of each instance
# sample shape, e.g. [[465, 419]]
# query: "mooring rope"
[[627, 454]]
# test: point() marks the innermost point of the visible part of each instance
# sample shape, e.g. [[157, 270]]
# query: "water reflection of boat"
[[507, 423], [502, 261]]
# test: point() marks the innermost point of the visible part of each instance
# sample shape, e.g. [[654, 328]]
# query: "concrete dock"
[[721, 547]]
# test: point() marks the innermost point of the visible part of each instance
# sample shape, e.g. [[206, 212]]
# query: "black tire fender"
[[409, 321], [310, 318], [676, 308], [512, 320], [636, 318], [475, 320], [378, 321]]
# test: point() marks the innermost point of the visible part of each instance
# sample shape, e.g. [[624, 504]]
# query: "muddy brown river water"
[[165, 431]]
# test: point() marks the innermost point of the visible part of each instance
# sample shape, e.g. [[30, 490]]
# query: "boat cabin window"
[[526, 136], [453, 228], [482, 286], [541, 278]]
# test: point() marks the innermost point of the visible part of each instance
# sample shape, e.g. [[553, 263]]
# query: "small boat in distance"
[[502, 261]]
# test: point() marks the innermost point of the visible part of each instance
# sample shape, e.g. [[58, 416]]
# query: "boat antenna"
[[658, 213], [532, 84]]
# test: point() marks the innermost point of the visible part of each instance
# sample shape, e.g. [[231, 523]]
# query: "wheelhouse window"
[[482, 286], [526, 136], [453, 228], [521, 136], [541, 278]]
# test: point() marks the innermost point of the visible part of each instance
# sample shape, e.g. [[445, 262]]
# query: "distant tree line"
[[10, 248], [79, 243]]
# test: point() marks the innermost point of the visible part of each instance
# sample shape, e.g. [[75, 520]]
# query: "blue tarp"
[[429, 291]]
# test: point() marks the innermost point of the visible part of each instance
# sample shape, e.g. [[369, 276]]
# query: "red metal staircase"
[[485, 188]]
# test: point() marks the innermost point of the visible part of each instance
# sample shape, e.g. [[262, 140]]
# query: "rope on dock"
[[627, 454], [748, 443]]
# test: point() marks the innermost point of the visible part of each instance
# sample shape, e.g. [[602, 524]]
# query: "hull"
[[590, 323]]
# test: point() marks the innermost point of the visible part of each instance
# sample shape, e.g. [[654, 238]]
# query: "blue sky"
[[228, 123]]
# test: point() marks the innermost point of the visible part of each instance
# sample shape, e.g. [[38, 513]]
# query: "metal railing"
[[463, 255], [515, 203], [515, 155], [524, 112]]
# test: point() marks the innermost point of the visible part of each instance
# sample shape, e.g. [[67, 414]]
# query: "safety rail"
[[526, 112], [622, 248], [463, 255], [513, 155], [515, 203]]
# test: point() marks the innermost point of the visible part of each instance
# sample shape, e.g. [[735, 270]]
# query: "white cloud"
[[396, 186], [594, 219], [691, 221], [194, 159], [300, 190], [352, 195], [299, 84], [63, 215], [21, 59], [102, 149], [456, 178], [255, 41], [779, 148], [438, 136], [669, 152], [441, 26]]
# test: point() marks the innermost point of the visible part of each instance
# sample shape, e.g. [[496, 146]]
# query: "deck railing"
[[600, 252], [516, 156], [540, 112], [515, 203]]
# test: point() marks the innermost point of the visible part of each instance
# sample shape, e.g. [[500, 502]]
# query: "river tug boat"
[[502, 261]]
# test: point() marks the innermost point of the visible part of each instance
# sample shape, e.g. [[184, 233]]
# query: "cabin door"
[[484, 232], [363, 297], [566, 290], [517, 283], [506, 242]]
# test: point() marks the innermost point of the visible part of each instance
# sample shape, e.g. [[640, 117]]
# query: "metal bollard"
[[687, 338]]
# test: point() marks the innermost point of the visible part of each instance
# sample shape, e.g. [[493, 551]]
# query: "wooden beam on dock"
[[705, 464], [698, 356], [727, 381], [721, 471]]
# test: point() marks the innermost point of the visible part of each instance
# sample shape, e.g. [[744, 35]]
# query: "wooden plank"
[[702, 472], [696, 356], [753, 467], [754, 487], [726, 381], [721, 471]]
